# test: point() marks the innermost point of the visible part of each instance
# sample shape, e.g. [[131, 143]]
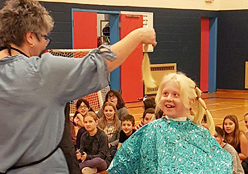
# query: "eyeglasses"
[[48, 39], [83, 107]]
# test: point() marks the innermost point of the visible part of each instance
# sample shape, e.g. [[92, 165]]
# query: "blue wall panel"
[[212, 55]]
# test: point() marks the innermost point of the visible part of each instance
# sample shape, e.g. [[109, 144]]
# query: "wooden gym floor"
[[220, 104]]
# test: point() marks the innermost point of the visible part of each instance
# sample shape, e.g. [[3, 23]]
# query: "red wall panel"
[[84, 30], [204, 54], [131, 75]]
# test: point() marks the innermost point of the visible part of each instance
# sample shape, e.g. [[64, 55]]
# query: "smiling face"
[[229, 126], [109, 113], [170, 101], [83, 109], [127, 127]]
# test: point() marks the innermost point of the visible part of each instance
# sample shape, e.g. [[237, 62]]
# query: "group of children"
[[167, 139], [98, 136], [233, 140]]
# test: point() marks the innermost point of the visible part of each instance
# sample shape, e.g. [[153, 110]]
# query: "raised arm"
[[126, 46]]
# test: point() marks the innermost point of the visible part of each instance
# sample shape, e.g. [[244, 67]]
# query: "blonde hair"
[[104, 118], [146, 70], [188, 92], [91, 114]]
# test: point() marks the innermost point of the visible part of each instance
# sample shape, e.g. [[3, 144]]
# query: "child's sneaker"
[[88, 170]]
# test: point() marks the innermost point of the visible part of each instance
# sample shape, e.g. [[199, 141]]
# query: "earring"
[[32, 45]]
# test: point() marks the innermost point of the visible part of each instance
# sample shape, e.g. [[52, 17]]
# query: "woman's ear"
[[29, 38]]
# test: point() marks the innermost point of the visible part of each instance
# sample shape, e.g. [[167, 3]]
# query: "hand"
[[83, 157], [148, 36], [78, 155]]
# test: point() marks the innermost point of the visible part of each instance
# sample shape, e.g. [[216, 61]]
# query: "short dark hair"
[[149, 110], [219, 131], [149, 103], [128, 117], [81, 100]]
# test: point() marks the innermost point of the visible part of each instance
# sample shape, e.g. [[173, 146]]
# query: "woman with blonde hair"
[[174, 143]]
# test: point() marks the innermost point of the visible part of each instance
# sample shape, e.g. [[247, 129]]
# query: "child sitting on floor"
[[94, 151], [127, 128], [219, 136], [148, 116], [111, 125]]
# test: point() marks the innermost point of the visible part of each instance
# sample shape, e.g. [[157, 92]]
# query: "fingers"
[[84, 155], [78, 154], [154, 44], [154, 39], [149, 36]]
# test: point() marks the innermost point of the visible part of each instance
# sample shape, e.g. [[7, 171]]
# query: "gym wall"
[[178, 34]]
